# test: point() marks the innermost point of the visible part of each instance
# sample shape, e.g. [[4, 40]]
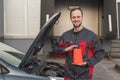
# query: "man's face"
[[76, 18]]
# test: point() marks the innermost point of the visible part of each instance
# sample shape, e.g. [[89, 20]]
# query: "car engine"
[[43, 68]]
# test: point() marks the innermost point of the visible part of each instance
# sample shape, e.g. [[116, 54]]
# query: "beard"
[[77, 25]]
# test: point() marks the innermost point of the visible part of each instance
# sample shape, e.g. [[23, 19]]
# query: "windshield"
[[10, 55], [15, 54]]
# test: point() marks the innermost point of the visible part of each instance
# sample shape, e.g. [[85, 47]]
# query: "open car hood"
[[40, 39]]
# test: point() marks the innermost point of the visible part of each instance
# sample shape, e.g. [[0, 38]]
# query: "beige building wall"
[[90, 20]]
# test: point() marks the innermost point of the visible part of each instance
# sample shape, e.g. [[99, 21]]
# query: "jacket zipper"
[[75, 44]]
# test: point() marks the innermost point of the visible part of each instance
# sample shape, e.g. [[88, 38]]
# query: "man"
[[83, 38]]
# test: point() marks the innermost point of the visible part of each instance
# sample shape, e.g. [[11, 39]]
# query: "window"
[[21, 18], [3, 70]]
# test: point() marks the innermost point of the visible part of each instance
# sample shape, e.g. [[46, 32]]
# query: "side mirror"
[[3, 70]]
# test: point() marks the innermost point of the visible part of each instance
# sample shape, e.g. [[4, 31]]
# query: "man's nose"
[[76, 18]]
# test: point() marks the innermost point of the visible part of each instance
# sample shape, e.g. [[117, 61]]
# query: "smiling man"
[[76, 18], [81, 38]]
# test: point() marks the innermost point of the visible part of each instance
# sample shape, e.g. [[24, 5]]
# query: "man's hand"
[[83, 64], [70, 48]]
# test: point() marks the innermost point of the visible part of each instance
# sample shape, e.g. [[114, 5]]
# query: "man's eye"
[[78, 17]]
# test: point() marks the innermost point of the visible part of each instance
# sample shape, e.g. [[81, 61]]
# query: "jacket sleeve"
[[59, 46], [98, 50]]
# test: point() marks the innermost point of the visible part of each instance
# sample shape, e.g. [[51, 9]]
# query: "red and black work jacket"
[[92, 52]]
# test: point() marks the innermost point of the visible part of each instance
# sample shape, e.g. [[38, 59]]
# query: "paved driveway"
[[104, 70]]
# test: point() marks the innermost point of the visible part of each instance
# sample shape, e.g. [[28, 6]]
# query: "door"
[[110, 19], [47, 10]]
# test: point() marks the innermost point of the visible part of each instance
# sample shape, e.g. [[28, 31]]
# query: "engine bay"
[[43, 68]]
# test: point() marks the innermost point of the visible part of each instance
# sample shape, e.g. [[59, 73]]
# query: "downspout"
[[118, 35], [98, 18]]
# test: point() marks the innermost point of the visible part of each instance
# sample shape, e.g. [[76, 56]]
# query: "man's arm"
[[59, 46], [99, 53]]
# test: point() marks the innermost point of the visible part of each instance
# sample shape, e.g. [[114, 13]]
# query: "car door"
[[5, 74], [17, 77], [1, 75]]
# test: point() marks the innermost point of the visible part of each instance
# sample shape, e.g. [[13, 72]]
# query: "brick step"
[[116, 41], [115, 49], [117, 45], [111, 55]]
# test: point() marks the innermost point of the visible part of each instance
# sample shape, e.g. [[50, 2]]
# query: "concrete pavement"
[[104, 70]]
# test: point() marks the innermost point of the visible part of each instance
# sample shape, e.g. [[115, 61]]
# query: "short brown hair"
[[76, 9]]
